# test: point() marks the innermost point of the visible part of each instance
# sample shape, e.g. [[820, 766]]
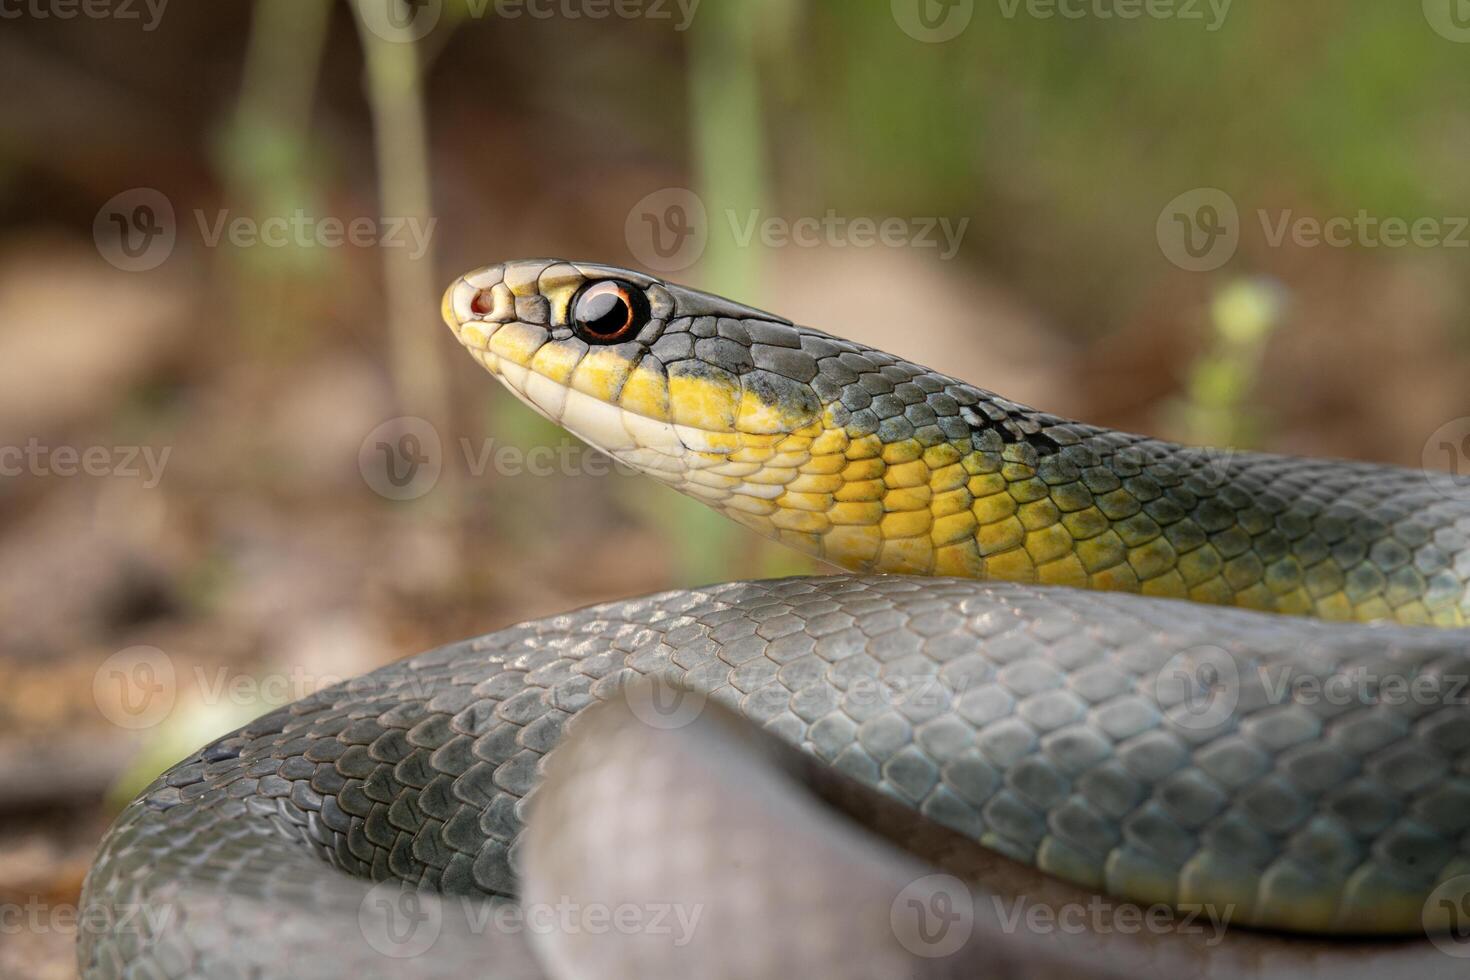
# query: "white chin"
[[643, 443]]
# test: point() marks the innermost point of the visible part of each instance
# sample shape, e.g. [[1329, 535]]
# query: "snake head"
[[699, 391]]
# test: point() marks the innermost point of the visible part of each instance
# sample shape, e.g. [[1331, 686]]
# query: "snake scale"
[[784, 774]]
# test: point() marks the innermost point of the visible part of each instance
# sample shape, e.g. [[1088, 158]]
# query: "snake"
[[1063, 671]]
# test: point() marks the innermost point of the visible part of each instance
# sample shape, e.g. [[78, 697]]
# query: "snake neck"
[[934, 477]]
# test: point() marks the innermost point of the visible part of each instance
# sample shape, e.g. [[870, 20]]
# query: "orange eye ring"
[[609, 312]]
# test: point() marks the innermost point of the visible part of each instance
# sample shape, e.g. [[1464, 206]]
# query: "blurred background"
[[241, 457]]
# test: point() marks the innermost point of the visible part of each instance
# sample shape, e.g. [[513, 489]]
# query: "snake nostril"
[[483, 303]]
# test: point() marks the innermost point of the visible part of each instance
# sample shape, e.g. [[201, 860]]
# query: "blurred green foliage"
[[1345, 99], [269, 164], [1055, 135], [1216, 408], [1059, 138]]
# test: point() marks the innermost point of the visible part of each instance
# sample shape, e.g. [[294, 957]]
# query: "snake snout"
[[474, 299]]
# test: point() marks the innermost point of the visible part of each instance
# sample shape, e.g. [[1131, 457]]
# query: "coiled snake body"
[[1283, 772]]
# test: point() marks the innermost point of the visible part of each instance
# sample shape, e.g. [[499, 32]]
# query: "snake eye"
[[609, 312]]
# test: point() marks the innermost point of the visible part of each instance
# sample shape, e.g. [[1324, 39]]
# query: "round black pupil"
[[604, 312]]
